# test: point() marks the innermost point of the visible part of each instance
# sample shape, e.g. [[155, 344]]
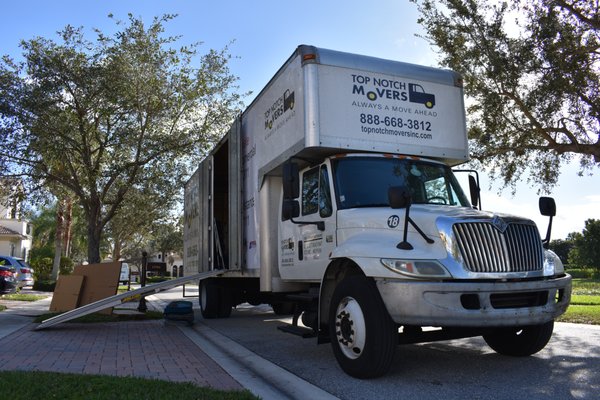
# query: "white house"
[[15, 233], [173, 261]]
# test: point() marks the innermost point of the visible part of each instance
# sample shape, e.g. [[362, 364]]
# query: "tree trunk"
[[94, 232], [117, 249], [68, 215], [58, 239]]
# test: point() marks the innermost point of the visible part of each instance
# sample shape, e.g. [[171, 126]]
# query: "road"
[[568, 368]]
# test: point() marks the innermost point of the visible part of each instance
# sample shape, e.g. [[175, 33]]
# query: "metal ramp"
[[118, 299]]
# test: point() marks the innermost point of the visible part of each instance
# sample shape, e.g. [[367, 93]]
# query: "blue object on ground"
[[179, 310]]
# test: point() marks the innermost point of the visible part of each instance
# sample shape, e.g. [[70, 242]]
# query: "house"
[[172, 262], [15, 233]]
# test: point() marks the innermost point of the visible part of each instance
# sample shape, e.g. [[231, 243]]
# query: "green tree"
[[531, 71], [99, 118], [44, 231], [562, 247], [168, 238], [586, 249], [131, 229]]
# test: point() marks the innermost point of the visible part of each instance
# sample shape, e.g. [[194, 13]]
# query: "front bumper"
[[476, 303]]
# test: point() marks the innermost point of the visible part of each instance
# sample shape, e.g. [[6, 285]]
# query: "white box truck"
[[333, 199]]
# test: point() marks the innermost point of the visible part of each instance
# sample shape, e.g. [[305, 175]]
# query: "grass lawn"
[[33, 385], [585, 302], [23, 297], [96, 317]]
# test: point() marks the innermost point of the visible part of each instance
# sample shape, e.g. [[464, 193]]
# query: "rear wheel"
[[520, 341], [363, 336], [215, 300]]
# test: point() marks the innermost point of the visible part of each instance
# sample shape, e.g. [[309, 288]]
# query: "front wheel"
[[363, 336], [520, 341]]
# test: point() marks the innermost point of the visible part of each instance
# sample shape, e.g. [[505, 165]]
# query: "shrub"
[[66, 266], [583, 273], [42, 268], [44, 285], [156, 279]]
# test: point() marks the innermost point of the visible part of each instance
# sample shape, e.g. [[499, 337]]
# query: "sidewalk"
[[148, 349], [20, 313]]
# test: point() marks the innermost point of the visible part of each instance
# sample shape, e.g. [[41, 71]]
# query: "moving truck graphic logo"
[[283, 103], [288, 100], [416, 94]]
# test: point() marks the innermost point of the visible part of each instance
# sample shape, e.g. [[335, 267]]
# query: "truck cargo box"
[[320, 102]]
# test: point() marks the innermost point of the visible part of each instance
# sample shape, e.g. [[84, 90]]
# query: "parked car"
[[8, 279], [24, 273]]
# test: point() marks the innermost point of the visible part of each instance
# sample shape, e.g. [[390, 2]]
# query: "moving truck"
[[332, 198]]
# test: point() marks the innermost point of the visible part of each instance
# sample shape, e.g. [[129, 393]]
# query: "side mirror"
[[399, 197], [291, 181], [547, 206], [289, 209], [474, 192], [548, 209]]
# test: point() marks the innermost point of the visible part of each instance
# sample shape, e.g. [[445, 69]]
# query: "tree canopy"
[[108, 119], [586, 246], [531, 71]]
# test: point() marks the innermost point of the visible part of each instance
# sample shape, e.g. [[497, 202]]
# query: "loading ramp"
[[118, 298]]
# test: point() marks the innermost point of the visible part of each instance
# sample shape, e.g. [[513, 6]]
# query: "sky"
[[262, 34]]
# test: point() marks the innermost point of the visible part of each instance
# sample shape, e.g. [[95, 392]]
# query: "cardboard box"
[[87, 284], [66, 293], [101, 281]]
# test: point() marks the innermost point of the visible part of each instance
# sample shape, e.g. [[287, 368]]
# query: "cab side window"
[[316, 196], [310, 191], [325, 207]]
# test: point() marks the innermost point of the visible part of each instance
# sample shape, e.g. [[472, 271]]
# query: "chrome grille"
[[485, 249]]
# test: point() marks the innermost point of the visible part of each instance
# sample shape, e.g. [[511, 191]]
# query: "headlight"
[[552, 264], [418, 269]]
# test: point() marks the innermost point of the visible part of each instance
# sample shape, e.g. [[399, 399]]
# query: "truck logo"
[[279, 107], [382, 88], [500, 224], [416, 94]]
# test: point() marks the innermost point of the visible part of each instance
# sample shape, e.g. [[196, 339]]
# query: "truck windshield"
[[364, 182]]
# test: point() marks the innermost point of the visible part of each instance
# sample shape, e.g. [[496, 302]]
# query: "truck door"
[[304, 247]]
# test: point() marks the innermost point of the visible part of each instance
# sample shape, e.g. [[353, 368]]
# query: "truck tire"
[[215, 300], [209, 299], [363, 336], [520, 341]]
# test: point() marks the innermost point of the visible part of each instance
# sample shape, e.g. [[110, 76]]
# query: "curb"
[[260, 376]]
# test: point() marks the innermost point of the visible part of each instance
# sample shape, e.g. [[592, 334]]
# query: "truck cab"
[[402, 228]]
